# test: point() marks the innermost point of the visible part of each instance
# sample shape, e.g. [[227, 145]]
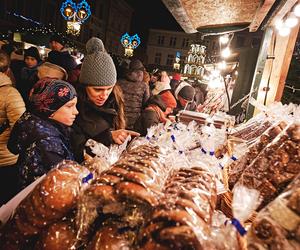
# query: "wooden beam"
[[259, 69], [261, 14], [286, 62]]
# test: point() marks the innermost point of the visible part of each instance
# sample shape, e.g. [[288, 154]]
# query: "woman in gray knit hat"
[[100, 102]]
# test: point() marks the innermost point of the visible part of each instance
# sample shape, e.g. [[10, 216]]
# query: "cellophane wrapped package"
[[52, 200], [277, 226]]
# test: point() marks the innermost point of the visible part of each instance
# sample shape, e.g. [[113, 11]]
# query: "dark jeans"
[[9, 185]]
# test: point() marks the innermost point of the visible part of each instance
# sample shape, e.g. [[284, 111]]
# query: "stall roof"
[[210, 15]]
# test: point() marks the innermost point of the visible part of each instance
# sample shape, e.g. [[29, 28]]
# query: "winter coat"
[[150, 116], [11, 109], [136, 94], [28, 79], [147, 119], [40, 143], [93, 122]]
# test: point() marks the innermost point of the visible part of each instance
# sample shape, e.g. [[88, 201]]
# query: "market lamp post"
[[75, 15], [130, 43]]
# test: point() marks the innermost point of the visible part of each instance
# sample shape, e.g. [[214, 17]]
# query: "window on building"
[[255, 42], [240, 41], [170, 60], [160, 40], [172, 41], [157, 58]]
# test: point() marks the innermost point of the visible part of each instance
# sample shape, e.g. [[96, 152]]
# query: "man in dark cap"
[[59, 55], [135, 91]]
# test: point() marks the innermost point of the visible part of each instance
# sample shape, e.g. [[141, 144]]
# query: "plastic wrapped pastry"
[[277, 226], [183, 218], [50, 200], [276, 166], [236, 168]]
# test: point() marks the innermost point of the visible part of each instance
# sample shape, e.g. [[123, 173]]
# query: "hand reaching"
[[120, 135]]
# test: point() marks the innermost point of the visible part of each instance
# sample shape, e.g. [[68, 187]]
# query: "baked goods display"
[[277, 226], [276, 166], [167, 191], [185, 211]]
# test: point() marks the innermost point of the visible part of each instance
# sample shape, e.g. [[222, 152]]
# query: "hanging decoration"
[[130, 43], [75, 15]]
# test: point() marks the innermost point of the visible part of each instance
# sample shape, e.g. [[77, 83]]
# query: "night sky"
[[151, 14]]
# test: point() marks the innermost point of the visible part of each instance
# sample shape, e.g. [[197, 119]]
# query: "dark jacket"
[[149, 117], [27, 80], [93, 122], [40, 143], [136, 94]]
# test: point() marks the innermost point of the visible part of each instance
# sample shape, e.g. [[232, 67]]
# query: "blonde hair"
[[119, 122]]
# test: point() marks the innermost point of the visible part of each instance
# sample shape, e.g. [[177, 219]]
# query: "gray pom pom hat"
[[98, 68]]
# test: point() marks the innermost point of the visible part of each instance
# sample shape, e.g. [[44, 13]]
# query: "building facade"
[[163, 45]]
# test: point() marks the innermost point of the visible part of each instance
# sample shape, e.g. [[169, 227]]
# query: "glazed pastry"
[[276, 165]]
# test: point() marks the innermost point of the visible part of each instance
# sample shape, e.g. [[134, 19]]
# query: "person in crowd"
[[11, 109], [16, 62], [162, 83], [175, 81], [135, 91], [29, 73], [154, 76], [169, 99], [185, 95], [156, 112], [50, 70], [61, 57], [42, 137], [101, 105]]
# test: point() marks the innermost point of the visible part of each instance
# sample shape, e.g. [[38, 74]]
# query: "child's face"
[[30, 61]]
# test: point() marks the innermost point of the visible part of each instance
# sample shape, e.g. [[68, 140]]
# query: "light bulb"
[[284, 31], [291, 21], [297, 10], [224, 39], [279, 24], [225, 52], [222, 65]]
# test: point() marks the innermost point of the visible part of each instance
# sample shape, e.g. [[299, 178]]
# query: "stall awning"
[[210, 15]]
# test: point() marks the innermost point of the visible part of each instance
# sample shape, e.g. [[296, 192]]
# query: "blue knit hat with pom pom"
[[98, 68]]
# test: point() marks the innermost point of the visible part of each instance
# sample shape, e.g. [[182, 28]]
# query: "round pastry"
[[108, 238], [58, 236], [61, 186]]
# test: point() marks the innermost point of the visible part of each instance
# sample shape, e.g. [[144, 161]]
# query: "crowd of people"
[[50, 108]]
